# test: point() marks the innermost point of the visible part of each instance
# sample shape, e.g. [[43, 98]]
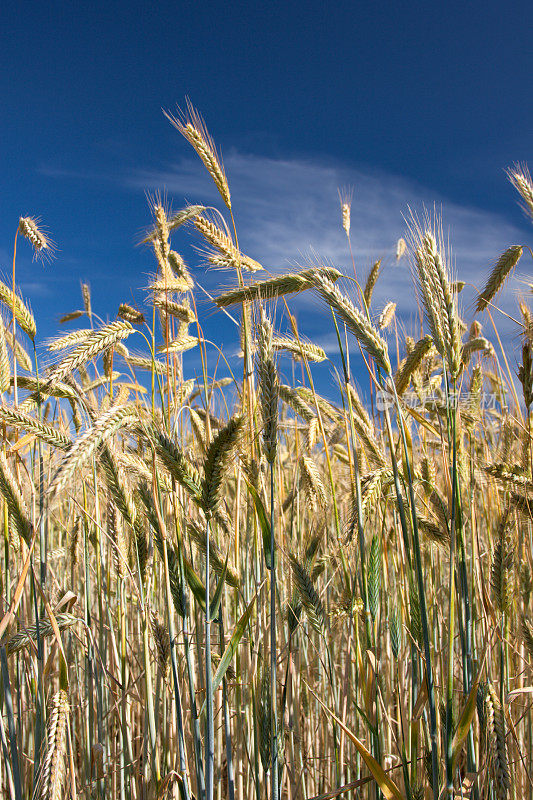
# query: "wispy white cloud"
[[287, 210], [286, 207]]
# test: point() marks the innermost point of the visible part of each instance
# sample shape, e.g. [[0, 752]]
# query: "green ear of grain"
[[374, 576], [217, 462]]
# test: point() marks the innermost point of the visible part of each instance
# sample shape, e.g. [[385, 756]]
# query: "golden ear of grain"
[[28, 635], [401, 247], [22, 357], [294, 401], [180, 274], [345, 197], [162, 642], [88, 444], [411, 363], [290, 283], [371, 282], [527, 631], [521, 180], [90, 347], [181, 344], [478, 345], [71, 316], [217, 558], [308, 595], [181, 311], [299, 349], [53, 769], [502, 269], [435, 291], [356, 322], [311, 482], [86, 295], [47, 433], [496, 744], [314, 399], [174, 221], [178, 465], [117, 484], [527, 321], [19, 513], [140, 362], [231, 256], [191, 125], [130, 314], [387, 315], [268, 386], [23, 315], [5, 366], [69, 339], [32, 230]]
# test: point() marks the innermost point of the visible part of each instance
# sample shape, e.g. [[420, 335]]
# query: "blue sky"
[[411, 103]]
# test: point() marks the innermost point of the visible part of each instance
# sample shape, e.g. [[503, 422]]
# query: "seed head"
[[31, 229], [401, 247], [191, 125], [500, 272], [345, 197], [387, 315], [521, 179]]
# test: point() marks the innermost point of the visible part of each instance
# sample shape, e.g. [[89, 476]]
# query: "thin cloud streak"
[[288, 210]]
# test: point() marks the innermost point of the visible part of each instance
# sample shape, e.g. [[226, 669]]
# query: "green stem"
[[274, 777], [210, 730], [451, 614], [423, 607]]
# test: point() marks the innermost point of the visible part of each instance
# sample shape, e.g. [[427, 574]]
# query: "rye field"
[[233, 587]]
